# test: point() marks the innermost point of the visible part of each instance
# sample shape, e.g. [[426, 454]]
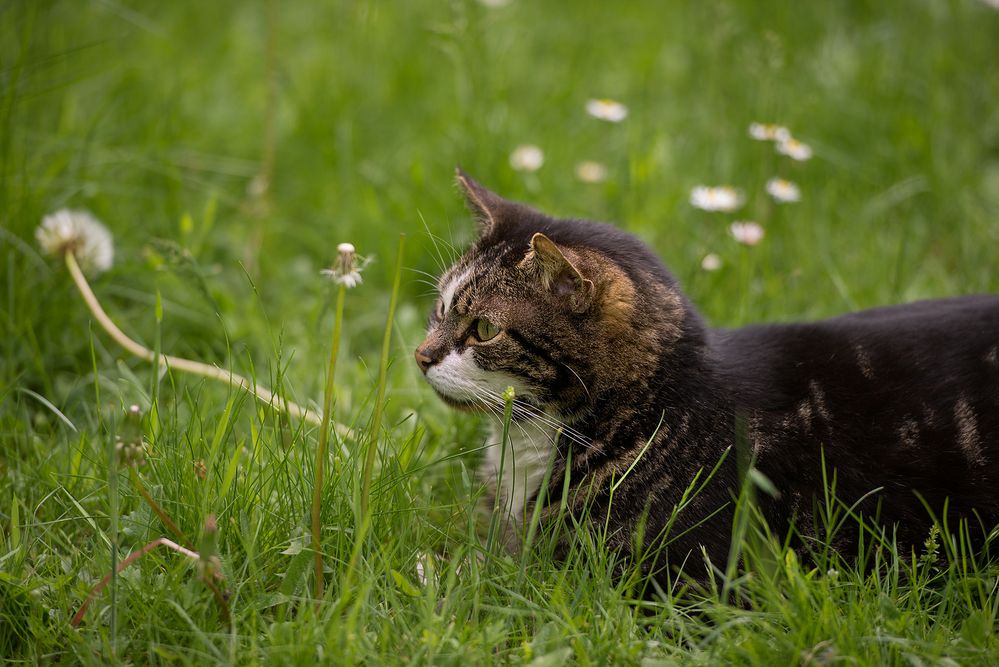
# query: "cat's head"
[[567, 312]]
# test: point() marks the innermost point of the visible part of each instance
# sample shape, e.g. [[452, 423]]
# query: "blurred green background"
[[229, 146]]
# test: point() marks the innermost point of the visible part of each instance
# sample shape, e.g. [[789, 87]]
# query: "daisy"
[[746, 232], [80, 233], [527, 157], [346, 272], [590, 171], [769, 132], [711, 262], [782, 190], [720, 198], [794, 149], [606, 109]]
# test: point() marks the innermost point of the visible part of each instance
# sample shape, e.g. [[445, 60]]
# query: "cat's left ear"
[[484, 204], [559, 274]]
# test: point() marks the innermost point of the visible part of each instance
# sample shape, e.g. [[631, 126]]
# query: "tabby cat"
[[621, 386]]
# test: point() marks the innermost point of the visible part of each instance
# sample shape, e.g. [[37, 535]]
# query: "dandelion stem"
[[321, 452], [194, 367]]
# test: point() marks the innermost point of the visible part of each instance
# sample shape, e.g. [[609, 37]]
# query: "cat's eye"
[[439, 309], [485, 330]]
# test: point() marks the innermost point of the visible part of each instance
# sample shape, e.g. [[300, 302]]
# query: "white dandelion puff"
[[347, 270], [783, 191], [527, 157], [794, 149], [609, 110], [80, 233], [718, 198], [590, 171], [769, 132], [711, 262], [746, 232]]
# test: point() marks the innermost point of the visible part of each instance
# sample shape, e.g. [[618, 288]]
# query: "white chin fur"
[[458, 377]]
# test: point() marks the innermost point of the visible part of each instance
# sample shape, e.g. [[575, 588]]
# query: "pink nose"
[[422, 360]]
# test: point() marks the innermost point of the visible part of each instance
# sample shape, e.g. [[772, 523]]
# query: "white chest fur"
[[529, 450]]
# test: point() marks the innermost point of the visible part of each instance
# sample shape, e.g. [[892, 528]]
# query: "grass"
[[230, 147]]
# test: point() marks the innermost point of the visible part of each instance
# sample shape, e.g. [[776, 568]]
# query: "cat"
[[625, 397]]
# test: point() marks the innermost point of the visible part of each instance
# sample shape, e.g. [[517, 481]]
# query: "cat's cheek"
[[459, 377]]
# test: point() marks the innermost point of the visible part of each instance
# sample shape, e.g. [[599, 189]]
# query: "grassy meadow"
[[230, 146]]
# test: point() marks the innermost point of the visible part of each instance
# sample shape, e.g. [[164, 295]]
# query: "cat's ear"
[[484, 204], [559, 274]]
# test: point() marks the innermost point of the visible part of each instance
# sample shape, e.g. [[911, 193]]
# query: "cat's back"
[[901, 397], [951, 343]]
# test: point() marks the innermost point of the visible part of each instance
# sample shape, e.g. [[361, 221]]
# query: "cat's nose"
[[423, 360]]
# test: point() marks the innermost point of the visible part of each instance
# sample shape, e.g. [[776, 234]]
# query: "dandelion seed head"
[[783, 191], [711, 262], [346, 270], [590, 171], [609, 110], [716, 198], [794, 149], [527, 157], [80, 233], [746, 232]]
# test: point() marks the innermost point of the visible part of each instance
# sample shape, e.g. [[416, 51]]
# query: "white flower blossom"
[[711, 262], [794, 149], [80, 233], [746, 232], [527, 157], [720, 198], [769, 132], [783, 191], [606, 109], [346, 271], [590, 171]]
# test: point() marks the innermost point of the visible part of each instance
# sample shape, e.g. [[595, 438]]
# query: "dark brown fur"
[[904, 399]]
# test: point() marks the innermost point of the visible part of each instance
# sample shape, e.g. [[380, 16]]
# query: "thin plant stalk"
[[500, 506], [155, 506], [115, 566], [194, 367], [323, 448], [364, 516], [376, 419]]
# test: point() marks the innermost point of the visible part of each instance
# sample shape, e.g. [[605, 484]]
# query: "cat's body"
[[622, 388]]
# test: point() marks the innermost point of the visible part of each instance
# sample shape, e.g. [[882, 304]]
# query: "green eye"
[[485, 330]]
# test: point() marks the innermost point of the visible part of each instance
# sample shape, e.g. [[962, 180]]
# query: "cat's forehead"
[[480, 272]]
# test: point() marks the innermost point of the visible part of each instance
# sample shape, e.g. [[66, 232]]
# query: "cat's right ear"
[[484, 204]]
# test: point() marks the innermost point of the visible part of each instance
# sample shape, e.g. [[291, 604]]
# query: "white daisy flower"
[[527, 157], [720, 198], [346, 271], [746, 232], [590, 171], [794, 149], [606, 109], [711, 262], [782, 190], [769, 132], [80, 233]]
